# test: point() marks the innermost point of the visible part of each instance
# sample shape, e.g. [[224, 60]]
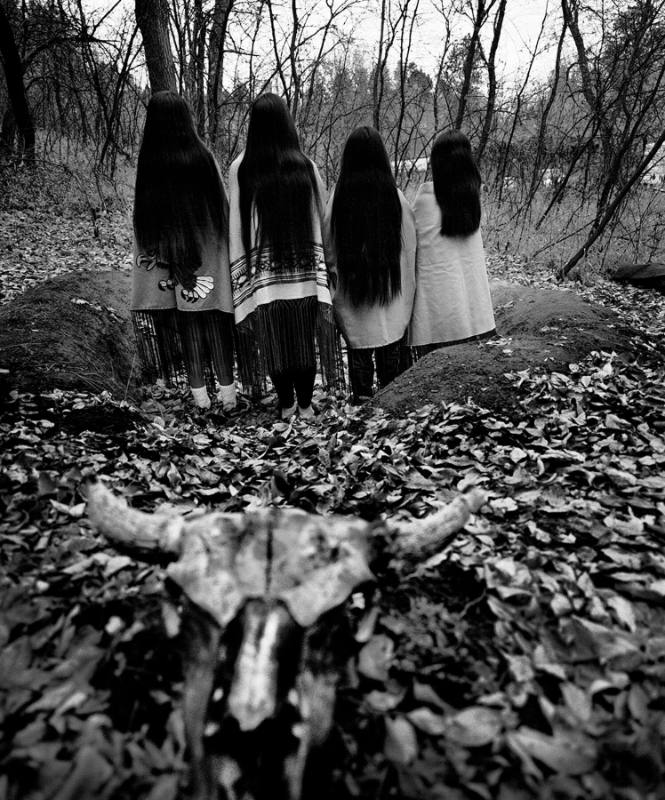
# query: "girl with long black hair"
[[181, 289], [370, 248], [283, 308], [453, 301]]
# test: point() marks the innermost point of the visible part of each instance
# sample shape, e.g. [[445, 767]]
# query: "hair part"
[[366, 221], [179, 198], [277, 179], [456, 184]]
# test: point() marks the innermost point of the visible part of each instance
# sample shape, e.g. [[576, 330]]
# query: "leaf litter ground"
[[528, 660]]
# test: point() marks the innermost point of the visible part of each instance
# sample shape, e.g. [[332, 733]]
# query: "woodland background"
[[525, 661], [571, 156]]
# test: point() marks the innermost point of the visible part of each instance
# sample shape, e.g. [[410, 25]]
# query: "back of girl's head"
[[168, 122], [366, 221], [271, 128], [278, 179], [179, 198], [364, 151], [456, 184]]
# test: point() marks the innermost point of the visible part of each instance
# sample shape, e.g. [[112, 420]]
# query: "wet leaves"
[[527, 660]]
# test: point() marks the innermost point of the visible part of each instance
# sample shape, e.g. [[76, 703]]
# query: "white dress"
[[453, 299], [374, 325]]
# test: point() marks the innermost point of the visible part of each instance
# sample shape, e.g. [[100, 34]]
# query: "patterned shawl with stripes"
[[283, 313]]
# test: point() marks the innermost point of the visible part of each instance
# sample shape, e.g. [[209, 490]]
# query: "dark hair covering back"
[[179, 198], [366, 221], [456, 184], [278, 179]]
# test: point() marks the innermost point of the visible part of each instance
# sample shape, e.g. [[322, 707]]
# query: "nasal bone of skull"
[[253, 693]]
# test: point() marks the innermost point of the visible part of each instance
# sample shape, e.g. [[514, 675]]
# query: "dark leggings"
[[207, 338], [299, 380], [391, 360]]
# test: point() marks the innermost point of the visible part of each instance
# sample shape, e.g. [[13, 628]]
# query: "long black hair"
[[179, 198], [456, 184], [366, 221], [277, 179]]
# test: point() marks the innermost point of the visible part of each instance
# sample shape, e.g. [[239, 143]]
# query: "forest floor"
[[527, 661]]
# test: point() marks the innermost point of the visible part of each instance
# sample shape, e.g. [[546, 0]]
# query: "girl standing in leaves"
[[181, 289], [453, 300], [283, 308], [371, 252]]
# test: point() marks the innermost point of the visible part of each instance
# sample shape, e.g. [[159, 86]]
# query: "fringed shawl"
[[154, 287], [283, 316], [159, 301]]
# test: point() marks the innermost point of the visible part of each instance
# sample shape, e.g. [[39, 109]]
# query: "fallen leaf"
[[475, 726], [401, 745]]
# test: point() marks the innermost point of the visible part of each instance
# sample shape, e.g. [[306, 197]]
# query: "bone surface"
[[134, 529]]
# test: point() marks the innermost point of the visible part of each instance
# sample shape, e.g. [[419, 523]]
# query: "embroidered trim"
[[200, 290], [149, 261], [201, 287], [308, 269]]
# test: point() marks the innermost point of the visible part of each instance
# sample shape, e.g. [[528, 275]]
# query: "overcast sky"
[[519, 36], [522, 24]]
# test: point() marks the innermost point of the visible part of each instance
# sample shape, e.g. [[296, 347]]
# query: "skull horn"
[[136, 530], [423, 537]]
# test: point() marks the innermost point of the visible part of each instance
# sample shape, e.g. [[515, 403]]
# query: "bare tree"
[[623, 84], [478, 13], [446, 12], [216, 42], [490, 65], [613, 207], [152, 19], [13, 68], [388, 30], [546, 109]]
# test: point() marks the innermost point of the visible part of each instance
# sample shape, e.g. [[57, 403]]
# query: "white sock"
[[306, 413], [287, 413], [227, 396], [201, 397]]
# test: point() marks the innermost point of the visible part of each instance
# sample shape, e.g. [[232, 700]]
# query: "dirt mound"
[[546, 328], [75, 332], [71, 332]]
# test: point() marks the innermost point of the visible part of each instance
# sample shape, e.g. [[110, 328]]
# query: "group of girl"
[[272, 272]]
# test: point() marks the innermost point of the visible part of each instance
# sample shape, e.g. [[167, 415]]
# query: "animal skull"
[[262, 595]]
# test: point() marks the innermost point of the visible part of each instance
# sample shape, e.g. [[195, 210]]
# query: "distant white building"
[[417, 165], [552, 176], [655, 174]]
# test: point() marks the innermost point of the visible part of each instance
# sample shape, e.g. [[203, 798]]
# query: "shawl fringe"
[[289, 335], [164, 338]]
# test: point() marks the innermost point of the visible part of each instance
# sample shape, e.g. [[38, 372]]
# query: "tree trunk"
[[377, 83], [8, 131], [491, 80], [152, 18], [611, 209], [468, 63], [544, 116], [16, 88], [220, 20]]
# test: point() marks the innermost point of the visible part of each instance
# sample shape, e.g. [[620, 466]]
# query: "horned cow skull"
[[261, 594]]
